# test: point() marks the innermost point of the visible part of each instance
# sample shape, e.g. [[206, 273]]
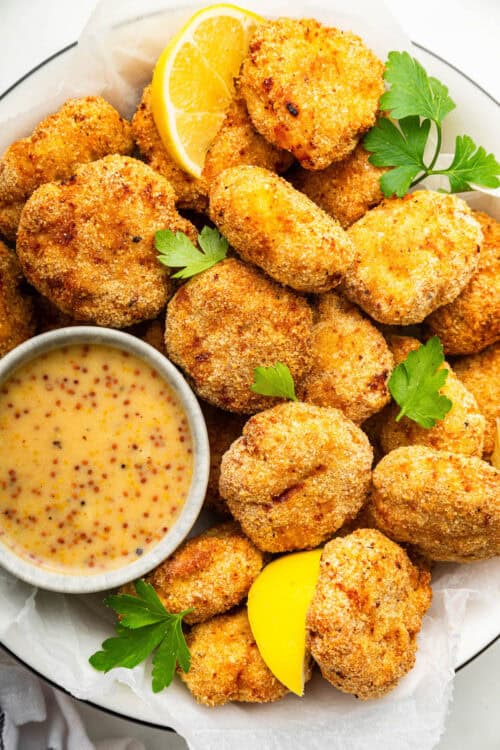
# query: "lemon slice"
[[277, 607], [193, 81]]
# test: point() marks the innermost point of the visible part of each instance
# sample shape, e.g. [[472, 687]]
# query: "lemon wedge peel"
[[278, 602], [203, 86]]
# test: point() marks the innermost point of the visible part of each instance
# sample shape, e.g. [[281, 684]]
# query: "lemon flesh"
[[277, 607], [193, 81]]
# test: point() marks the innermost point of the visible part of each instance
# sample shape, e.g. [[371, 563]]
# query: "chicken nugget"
[[366, 613], [444, 504], [210, 573], [16, 308], [310, 89], [351, 362], [415, 254], [83, 130], [296, 475], [480, 373], [346, 189], [471, 321], [271, 224], [460, 431], [88, 244], [223, 429], [230, 319], [226, 664]]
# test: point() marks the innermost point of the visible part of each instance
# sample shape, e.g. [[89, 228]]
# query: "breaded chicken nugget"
[[296, 475], [88, 244], [415, 254], [460, 431], [223, 429], [281, 230], [229, 320], [310, 89], [472, 321], [226, 664], [480, 373], [346, 189], [351, 362], [366, 613], [444, 504], [82, 130], [211, 573], [16, 309]]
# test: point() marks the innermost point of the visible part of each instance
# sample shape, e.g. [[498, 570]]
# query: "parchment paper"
[[114, 58]]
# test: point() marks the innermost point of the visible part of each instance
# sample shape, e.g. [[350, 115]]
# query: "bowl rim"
[[45, 578]]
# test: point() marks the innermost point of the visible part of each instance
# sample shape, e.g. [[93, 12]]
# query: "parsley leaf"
[[275, 380], [471, 164], [416, 382], [146, 626], [177, 251]]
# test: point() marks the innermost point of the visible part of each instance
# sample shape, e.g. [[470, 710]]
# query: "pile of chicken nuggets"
[[323, 276]]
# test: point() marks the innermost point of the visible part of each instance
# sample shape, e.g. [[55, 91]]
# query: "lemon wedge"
[[277, 607], [193, 81]]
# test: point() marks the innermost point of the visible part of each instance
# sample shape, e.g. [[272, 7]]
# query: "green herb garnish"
[[415, 102], [416, 382], [177, 251], [146, 627], [275, 380]]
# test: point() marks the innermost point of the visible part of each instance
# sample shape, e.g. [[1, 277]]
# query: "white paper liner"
[[114, 57]]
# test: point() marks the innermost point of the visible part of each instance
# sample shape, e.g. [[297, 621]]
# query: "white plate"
[[477, 114]]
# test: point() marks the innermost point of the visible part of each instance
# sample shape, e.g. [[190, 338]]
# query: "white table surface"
[[465, 33]]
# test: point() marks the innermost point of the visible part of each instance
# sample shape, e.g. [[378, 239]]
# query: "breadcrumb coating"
[[472, 321], [444, 504], [83, 130], [366, 613], [296, 475], [88, 244], [271, 224], [226, 664], [310, 89], [460, 431], [16, 309], [210, 573], [480, 373], [223, 429], [351, 362], [346, 189], [415, 254], [230, 319]]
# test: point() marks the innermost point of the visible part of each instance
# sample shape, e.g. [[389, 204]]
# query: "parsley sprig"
[[146, 627], [177, 251], [415, 385], [275, 380], [415, 102]]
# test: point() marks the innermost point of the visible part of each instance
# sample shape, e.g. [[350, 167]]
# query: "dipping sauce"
[[95, 459]]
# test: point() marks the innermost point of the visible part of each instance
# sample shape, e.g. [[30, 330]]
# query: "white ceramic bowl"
[[84, 584]]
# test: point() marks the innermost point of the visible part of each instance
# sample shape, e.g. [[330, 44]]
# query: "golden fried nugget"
[[472, 320], [223, 429], [16, 309], [226, 664], [351, 362], [296, 475], [229, 320], [211, 573], [445, 504], [460, 431], [310, 89], [88, 244], [271, 224], [415, 254], [480, 374], [83, 130], [366, 613], [346, 189]]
